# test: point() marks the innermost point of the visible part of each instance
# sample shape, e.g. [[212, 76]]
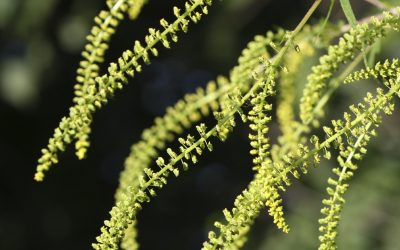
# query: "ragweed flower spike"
[[97, 95], [364, 113], [124, 213], [352, 146], [349, 45], [107, 22], [232, 235]]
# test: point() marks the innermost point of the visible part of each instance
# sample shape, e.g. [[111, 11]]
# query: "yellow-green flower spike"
[[350, 44], [97, 95]]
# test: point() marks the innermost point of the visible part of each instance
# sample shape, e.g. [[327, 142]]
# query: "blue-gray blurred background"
[[40, 44]]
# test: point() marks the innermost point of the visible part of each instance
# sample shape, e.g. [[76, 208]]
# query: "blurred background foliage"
[[40, 46]]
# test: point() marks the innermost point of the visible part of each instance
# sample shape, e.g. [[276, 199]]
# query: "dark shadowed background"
[[40, 44]]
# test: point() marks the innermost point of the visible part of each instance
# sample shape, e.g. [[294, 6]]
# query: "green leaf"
[[348, 12]]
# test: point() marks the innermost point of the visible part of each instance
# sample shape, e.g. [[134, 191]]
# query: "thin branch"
[[377, 3]]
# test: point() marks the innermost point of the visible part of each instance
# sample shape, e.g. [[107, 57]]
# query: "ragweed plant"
[[269, 66]]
